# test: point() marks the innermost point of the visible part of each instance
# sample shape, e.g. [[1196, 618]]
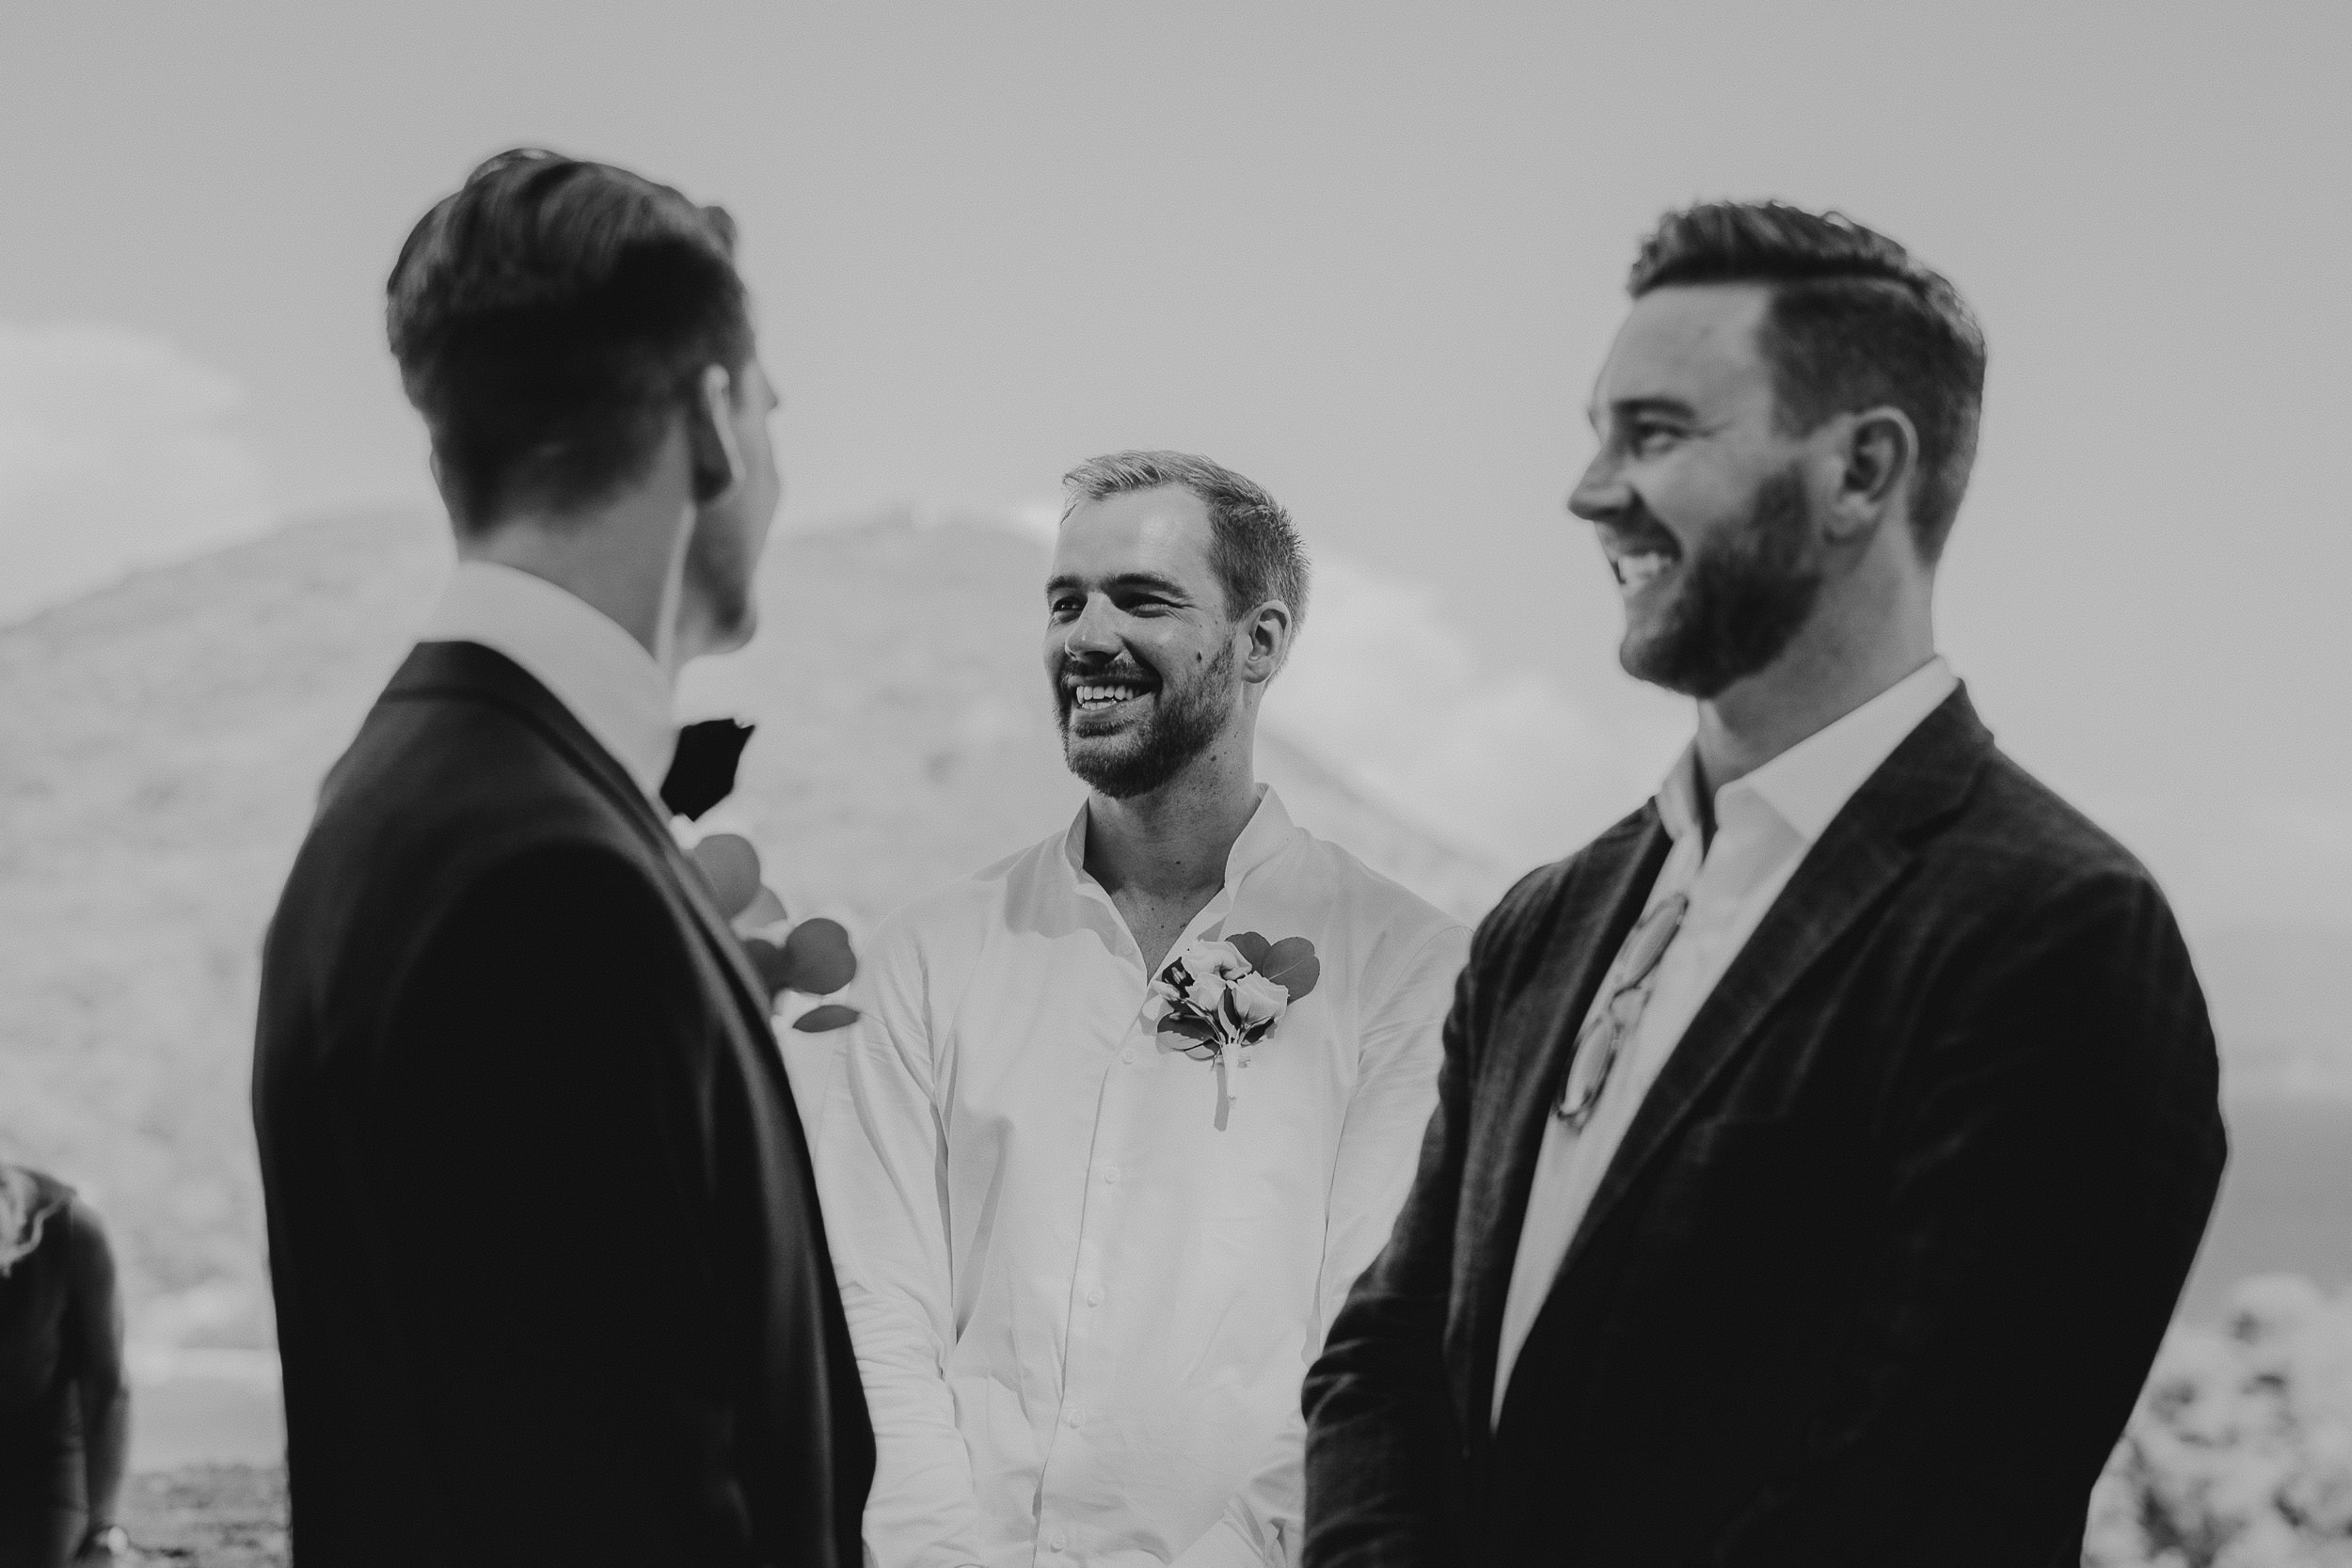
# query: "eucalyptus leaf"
[[1189, 1027], [732, 866], [1290, 963], [816, 958]]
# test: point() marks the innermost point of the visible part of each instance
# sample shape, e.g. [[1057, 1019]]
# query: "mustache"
[[1072, 672], [1636, 526]]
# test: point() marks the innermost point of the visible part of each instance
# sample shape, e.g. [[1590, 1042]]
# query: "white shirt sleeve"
[[879, 1172], [1396, 1090]]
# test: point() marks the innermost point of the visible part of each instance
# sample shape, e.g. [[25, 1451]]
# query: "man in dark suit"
[[1820, 1152], [552, 1282]]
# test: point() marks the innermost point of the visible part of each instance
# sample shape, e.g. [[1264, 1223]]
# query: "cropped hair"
[[1854, 322], [1254, 550], [549, 318]]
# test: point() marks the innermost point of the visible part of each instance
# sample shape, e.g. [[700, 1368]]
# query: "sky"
[[1370, 254]]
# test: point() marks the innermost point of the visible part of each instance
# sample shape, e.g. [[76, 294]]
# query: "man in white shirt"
[[1821, 1150], [552, 1281], [1089, 1247]]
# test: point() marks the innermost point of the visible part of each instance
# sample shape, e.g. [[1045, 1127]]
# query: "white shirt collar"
[[1267, 832], [1809, 784], [596, 669]]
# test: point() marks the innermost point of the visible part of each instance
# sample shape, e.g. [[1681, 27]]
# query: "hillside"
[[159, 743]]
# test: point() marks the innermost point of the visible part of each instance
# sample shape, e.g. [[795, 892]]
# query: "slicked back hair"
[[549, 318], [1253, 548], [1855, 323]]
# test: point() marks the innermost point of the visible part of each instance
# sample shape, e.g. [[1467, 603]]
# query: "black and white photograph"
[[1037, 784]]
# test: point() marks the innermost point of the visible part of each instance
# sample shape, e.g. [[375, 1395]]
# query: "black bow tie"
[[702, 773]]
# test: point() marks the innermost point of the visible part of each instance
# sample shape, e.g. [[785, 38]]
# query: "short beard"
[[1746, 595], [1182, 723]]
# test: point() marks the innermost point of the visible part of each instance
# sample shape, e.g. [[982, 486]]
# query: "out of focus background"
[[1370, 255]]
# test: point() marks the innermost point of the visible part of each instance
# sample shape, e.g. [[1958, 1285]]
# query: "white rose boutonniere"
[[1222, 997]]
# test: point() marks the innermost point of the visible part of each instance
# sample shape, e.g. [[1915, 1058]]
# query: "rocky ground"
[[209, 1516]]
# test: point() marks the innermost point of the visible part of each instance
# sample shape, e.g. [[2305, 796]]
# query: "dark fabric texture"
[[44, 1509], [1884, 1259], [552, 1281]]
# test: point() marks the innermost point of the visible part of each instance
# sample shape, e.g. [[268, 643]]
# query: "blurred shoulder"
[[437, 794], [2019, 840], [1535, 902]]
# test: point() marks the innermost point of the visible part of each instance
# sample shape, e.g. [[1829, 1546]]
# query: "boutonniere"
[[811, 958], [1227, 996]]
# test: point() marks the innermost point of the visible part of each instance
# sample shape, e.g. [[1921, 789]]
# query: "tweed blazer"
[[1883, 1260]]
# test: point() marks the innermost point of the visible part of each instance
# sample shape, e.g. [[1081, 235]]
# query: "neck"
[[625, 556], [1171, 844], [1839, 662]]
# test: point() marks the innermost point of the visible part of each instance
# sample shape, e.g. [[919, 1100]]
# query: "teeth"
[[1098, 694], [1635, 572]]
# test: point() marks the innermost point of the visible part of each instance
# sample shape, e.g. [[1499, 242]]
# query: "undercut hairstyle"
[[1854, 322], [550, 318], [1253, 548]]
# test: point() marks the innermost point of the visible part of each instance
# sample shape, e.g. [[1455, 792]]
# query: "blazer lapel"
[[1860, 856], [472, 670], [1599, 905]]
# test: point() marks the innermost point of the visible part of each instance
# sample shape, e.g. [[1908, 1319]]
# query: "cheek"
[[1696, 498]]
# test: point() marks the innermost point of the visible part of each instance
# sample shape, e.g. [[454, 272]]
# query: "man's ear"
[[1269, 631], [711, 448], [1877, 454]]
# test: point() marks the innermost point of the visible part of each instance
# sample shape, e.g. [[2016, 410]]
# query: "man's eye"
[[1652, 437]]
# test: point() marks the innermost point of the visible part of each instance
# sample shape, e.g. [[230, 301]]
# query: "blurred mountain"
[[161, 743]]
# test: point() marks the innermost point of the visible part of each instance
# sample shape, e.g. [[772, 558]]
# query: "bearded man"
[[1129, 1111], [1821, 1150]]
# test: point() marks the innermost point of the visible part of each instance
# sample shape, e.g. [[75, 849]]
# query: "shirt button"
[[1110, 1173], [1057, 1542], [1074, 1415], [1095, 1297], [1128, 1056]]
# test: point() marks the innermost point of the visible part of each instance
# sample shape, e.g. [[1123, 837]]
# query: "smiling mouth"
[[1104, 696], [1641, 560]]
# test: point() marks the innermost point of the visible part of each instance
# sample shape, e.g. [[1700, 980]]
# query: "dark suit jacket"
[[1881, 1265], [552, 1282]]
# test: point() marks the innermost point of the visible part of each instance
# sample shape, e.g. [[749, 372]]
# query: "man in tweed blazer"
[[1821, 1151]]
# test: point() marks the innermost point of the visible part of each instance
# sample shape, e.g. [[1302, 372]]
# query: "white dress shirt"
[[1765, 821], [605, 676], [1084, 1291]]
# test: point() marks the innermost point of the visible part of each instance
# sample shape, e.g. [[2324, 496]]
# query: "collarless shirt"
[[594, 668], [1085, 1283], [1765, 822]]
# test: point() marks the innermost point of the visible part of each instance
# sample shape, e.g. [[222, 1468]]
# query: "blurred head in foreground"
[[1787, 422], [1176, 589], [581, 347]]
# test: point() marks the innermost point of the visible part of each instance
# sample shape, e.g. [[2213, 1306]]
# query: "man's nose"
[[1094, 631], [1602, 493]]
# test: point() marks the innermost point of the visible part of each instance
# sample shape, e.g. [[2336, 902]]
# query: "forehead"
[[1692, 343], [1163, 530]]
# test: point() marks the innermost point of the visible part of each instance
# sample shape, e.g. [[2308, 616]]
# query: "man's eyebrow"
[[1625, 408], [1151, 581]]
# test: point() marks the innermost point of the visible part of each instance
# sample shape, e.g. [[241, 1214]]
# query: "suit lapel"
[[1854, 864], [1600, 903], [469, 669]]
